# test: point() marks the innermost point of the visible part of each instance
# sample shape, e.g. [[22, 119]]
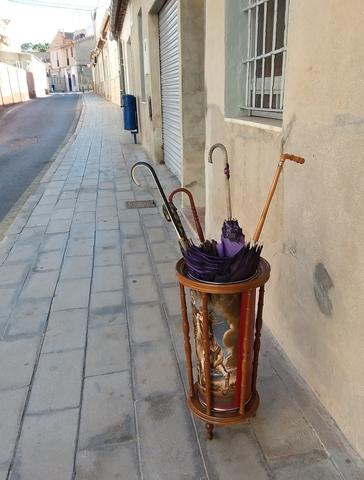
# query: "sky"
[[33, 23]]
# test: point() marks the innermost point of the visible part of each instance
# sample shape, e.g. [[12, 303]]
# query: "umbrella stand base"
[[225, 321], [220, 419]]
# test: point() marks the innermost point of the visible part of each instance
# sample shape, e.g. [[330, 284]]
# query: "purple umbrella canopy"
[[231, 260]]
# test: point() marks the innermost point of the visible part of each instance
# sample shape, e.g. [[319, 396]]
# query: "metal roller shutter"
[[170, 85]]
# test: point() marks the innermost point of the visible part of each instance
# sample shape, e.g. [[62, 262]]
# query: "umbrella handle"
[[172, 213], [283, 158], [193, 209], [226, 173]]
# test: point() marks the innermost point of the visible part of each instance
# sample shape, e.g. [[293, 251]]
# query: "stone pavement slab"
[[92, 377], [46, 447]]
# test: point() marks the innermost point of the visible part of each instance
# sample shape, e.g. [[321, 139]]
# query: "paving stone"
[[43, 210], [107, 256], [166, 432], [63, 214], [126, 216], [17, 360], [49, 261], [166, 272], [59, 226], [77, 267], [164, 252], [11, 409], [55, 241], [4, 471], [22, 252], [107, 278], [314, 466], [46, 447], [107, 223], [68, 203], [106, 201], [11, 274], [155, 369], [107, 415], [115, 462], [279, 425], [72, 294], [142, 289], [40, 285], [57, 383], [66, 330], [38, 220], [156, 235], [29, 317], [153, 220], [137, 263], [133, 245], [80, 246], [85, 206], [84, 217], [107, 238], [233, 450], [131, 229], [107, 308], [172, 300], [147, 323], [82, 230], [107, 350]]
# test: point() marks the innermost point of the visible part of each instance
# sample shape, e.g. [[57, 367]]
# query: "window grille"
[[266, 57]]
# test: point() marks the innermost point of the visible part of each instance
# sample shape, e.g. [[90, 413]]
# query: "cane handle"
[[293, 158]]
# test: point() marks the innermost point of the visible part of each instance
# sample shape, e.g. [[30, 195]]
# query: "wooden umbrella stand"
[[227, 321]]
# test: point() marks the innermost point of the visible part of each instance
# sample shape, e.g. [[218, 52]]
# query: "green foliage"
[[36, 47]]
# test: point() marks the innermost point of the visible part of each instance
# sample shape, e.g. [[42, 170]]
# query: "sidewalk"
[[91, 351]]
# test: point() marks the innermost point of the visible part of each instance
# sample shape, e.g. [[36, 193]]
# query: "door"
[[169, 49]]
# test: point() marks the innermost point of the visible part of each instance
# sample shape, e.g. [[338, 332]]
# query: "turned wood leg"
[[209, 430]]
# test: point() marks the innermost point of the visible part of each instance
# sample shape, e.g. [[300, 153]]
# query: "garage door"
[[170, 85]]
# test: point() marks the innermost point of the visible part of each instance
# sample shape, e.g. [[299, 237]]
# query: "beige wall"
[[314, 231], [192, 84]]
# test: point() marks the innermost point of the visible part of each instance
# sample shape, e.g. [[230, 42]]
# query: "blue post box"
[[130, 114]]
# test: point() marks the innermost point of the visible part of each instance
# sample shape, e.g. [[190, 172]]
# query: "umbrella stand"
[[227, 320], [193, 209]]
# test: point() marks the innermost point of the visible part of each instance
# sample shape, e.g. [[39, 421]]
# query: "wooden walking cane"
[[284, 157]]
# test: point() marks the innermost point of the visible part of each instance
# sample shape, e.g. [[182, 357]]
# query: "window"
[[57, 59], [71, 52], [264, 62]]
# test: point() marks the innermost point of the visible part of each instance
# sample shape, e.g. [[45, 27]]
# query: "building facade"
[[264, 77], [70, 63]]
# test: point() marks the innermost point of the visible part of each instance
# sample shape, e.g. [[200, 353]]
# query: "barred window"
[[264, 65]]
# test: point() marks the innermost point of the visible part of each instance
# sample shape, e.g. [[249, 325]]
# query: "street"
[[30, 134]]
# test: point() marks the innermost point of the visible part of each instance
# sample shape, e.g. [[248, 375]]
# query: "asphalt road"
[[30, 134]]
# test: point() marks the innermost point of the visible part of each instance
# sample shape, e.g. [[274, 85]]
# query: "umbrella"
[[169, 209], [193, 210], [232, 237]]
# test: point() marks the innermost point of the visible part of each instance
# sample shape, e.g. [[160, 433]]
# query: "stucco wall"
[[312, 238]]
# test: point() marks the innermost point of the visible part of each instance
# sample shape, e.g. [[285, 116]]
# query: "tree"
[[37, 47]]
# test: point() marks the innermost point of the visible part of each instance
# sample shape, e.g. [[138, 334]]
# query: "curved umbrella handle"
[[193, 209], [171, 212], [226, 173]]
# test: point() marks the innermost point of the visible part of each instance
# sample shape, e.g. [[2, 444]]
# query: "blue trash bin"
[[130, 112]]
